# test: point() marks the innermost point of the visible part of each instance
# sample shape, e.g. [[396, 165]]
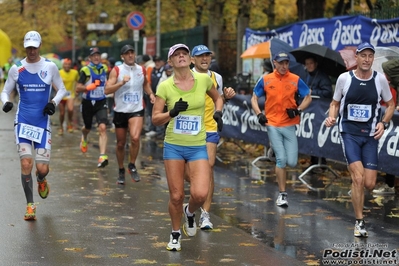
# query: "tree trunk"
[[215, 24], [242, 24], [271, 14], [310, 9], [339, 8]]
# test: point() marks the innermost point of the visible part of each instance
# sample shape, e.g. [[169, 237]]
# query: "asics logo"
[[362, 84]]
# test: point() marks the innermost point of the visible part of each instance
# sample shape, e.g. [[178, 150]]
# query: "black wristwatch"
[[386, 125]]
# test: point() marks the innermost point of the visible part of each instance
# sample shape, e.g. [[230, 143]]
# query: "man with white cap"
[[33, 77], [357, 102]]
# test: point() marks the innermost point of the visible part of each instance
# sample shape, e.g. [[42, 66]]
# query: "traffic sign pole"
[[136, 21], [136, 38]]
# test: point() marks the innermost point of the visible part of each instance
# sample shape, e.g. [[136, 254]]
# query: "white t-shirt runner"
[[129, 97]]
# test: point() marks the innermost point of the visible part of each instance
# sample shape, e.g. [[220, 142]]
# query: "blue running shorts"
[[360, 148], [187, 153], [212, 137]]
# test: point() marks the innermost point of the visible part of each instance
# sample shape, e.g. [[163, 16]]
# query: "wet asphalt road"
[[89, 220]]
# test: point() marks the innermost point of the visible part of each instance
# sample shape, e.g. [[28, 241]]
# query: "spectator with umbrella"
[[320, 63], [321, 87]]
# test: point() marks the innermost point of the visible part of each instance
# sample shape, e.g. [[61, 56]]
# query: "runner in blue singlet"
[[33, 77], [357, 99]]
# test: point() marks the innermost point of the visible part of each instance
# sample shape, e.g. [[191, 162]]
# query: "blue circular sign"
[[135, 20]]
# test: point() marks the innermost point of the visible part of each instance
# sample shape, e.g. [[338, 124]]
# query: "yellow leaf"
[[144, 261], [74, 249], [227, 260], [332, 217], [291, 216], [247, 245], [228, 209], [117, 255], [262, 200], [312, 262], [159, 244], [291, 225], [92, 256], [393, 215]]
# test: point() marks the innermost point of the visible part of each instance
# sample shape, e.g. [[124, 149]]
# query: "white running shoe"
[[384, 190], [282, 200], [189, 226], [360, 229], [205, 221], [174, 242], [151, 134]]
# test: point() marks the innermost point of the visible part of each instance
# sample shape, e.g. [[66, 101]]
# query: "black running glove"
[[179, 107], [292, 112], [49, 109], [7, 107], [262, 119], [218, 118]]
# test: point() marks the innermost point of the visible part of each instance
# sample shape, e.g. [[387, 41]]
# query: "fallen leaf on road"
[[291, 225], [393, 215], [247, 245], [144, 261], [117, 255], [74, 249], [332, 217], [227, 260], [92, 256], [262, 200], [291, 216]]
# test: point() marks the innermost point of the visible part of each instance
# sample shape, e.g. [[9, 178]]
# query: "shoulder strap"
[[117, 71], [213, 77]]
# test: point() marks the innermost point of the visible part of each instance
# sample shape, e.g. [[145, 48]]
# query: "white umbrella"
[[383, 54]]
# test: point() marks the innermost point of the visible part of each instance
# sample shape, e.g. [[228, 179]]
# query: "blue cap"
[[281, 56], [200, 49], [364, 46]]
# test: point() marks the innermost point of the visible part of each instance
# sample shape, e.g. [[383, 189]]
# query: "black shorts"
[[121, 120], [99, 109]]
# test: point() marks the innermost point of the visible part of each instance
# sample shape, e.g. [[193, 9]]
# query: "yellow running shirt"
[[70, 79]]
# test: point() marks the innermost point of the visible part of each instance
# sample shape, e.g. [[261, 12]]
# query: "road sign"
[[135, 20], [100, 26], [136, 35]]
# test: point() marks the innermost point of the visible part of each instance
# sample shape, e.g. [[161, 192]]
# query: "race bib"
[[359, 112], [131, 97], [187, 124], [97, 93], [30, 132]]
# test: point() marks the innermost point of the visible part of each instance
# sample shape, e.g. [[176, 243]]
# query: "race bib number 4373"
[[187, 124]]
